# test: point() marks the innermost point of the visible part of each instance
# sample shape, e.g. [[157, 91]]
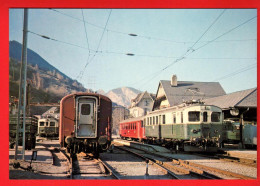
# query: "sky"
[[205, 45]]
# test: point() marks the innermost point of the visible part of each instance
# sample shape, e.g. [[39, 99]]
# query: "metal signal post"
[[22, 86]]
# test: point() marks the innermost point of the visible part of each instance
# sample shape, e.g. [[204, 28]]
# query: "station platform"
[[242, 153], [43, 156]]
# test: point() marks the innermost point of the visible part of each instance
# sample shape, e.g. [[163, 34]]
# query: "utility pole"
[[22, 86]]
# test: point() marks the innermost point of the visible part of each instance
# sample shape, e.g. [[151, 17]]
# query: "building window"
[[163, 119], [215, 117], [194, 116], [156, 120], [146, 102], [160, 119], [174, 118], [153, 120], [205, 117], [145, 111], [181, 117]]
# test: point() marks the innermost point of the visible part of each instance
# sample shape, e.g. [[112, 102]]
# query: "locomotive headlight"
[[195, 131]]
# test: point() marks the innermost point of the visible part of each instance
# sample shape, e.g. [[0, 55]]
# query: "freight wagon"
[[30, 131]]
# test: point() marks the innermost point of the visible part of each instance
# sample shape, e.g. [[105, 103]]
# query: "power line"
[[125, 53], [64, 42], [193, 50], [189, 49], [88, 62], [237, 72], [137, 35], [82, 72], [227, 32], [209, 28]]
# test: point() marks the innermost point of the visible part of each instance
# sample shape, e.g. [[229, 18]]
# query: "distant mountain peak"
[[123, 96]]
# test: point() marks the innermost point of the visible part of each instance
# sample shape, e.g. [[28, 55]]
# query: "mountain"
[[49, 84], [41, 75], [123, 96]]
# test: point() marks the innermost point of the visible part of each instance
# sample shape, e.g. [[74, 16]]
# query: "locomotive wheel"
[[96, 154]]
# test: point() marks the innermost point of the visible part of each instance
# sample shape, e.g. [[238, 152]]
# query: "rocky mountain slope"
[[49, 84], [41, 75]]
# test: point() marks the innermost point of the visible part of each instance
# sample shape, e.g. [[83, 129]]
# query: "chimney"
[[174, 81]]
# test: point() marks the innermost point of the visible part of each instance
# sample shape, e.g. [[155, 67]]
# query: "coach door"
[[86, 121]]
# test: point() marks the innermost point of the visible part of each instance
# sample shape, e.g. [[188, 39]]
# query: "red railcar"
[[85, 123], [132, 128]]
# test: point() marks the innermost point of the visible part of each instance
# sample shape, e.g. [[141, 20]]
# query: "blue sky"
[[225, 51]]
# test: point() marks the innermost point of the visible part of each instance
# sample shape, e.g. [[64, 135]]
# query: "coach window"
[[42, 124], [194, 116], [144, 121], [52, 124], [215, 116], [163, 119], [205, 117], [85, 109]]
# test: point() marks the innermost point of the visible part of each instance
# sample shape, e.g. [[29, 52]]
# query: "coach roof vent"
[[174, 81]]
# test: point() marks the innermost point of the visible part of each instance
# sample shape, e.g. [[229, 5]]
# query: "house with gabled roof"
[[142, 104], [172, 92], [53, 112], [236, 103]]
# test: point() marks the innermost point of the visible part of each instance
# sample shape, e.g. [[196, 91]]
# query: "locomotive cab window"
[[85, 109], [194, 116], [52, 124], [215, 117], [42, 124]]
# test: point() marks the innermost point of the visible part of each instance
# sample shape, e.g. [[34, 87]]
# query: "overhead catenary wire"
[[189, 49], [193, 50], [99, 43], [138, 35], [136, 55], [85, 29], [124, 53], [237, 72]]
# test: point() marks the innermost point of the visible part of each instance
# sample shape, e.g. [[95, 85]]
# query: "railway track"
[[85, 166], [172, 168], [228, 158], [208, 172], [206, 169]]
